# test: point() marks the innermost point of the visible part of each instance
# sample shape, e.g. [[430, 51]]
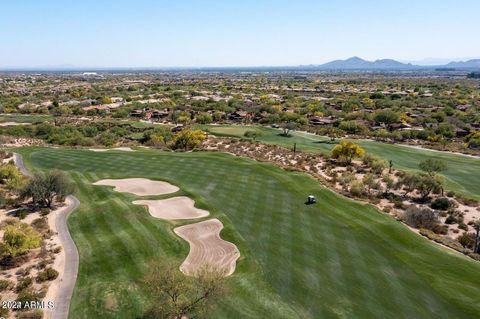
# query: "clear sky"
[[107, 33]]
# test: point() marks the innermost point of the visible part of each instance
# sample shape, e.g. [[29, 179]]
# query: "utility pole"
[[294, 148]]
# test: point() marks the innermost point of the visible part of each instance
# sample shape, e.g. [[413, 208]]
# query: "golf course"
[[462, 174], [335, 259]]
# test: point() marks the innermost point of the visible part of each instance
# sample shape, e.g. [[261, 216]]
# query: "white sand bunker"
[[139, 186], [207, 249], [125, 149], [13, 123], [173, 208]]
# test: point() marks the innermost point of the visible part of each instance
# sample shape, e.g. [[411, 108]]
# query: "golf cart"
[[311, 200]]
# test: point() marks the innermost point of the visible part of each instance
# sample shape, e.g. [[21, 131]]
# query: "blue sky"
[[233, 33]]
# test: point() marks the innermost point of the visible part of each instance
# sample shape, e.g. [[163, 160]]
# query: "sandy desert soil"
[[180, 207], [207, 249], [139, 186]]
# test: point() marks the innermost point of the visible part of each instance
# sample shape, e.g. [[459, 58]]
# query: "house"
[[400, 127], [136, 113], [177, 128], [317, 120], [156, 114], [463, 107], [238, 115], [459, 132]]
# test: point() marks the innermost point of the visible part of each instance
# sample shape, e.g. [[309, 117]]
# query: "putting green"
[[335, 259], [462, 175]]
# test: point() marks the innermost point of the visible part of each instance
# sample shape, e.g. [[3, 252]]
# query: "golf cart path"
[[67, 283]]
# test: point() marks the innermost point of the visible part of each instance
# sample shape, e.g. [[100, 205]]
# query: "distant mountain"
[[470, 64], [356, 63]]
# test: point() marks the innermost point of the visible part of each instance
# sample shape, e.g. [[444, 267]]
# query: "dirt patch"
[[173, 208], [207, 249], [139, 186]]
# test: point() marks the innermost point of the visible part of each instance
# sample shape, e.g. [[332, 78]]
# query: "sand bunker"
[[126, 149], [207, 249], [173, 208], [13, 123], [139, 186]]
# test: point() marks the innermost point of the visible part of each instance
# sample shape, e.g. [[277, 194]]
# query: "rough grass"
[[462, 175], [335, 259]]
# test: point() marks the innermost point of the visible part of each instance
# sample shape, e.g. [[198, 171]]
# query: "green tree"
[[44, 189], [204, 118], [178, 296], [386, 116], [287, 127]]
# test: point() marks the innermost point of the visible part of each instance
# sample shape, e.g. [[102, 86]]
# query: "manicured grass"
[[25, 118], [335, 259], [462, 175]]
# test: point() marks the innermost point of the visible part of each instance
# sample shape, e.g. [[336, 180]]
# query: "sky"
[[187, 33]]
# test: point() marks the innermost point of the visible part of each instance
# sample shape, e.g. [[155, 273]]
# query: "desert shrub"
[[451, 220], [463, 226], [447, 241], [474, 256], [357, 188], [5, 284], [467, 201], [441, 203], [21, 213], [33, 314], [4, 312], [420, 218], [378, 166], [57, 249], [387, 209], [28, 295], [40, 225], [42, 264], [440, 229], [47, 275], [44, 211], [450, 194], [346, 178], [23, 284], [398, 203], [467, 240]]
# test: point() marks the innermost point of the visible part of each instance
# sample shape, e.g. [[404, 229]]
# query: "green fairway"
[[335, 259], [25, 118], [462, 175]]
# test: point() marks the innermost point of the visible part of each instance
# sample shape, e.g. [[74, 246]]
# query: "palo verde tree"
[[179, 296], [188, 139], [253, 134], [44, 189], [346, 151], [432, 166], [18, 239]]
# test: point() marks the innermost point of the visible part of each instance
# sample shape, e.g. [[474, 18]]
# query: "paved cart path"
[[67, 283]]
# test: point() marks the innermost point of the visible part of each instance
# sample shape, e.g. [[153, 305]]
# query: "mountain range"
[[356, 63]]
